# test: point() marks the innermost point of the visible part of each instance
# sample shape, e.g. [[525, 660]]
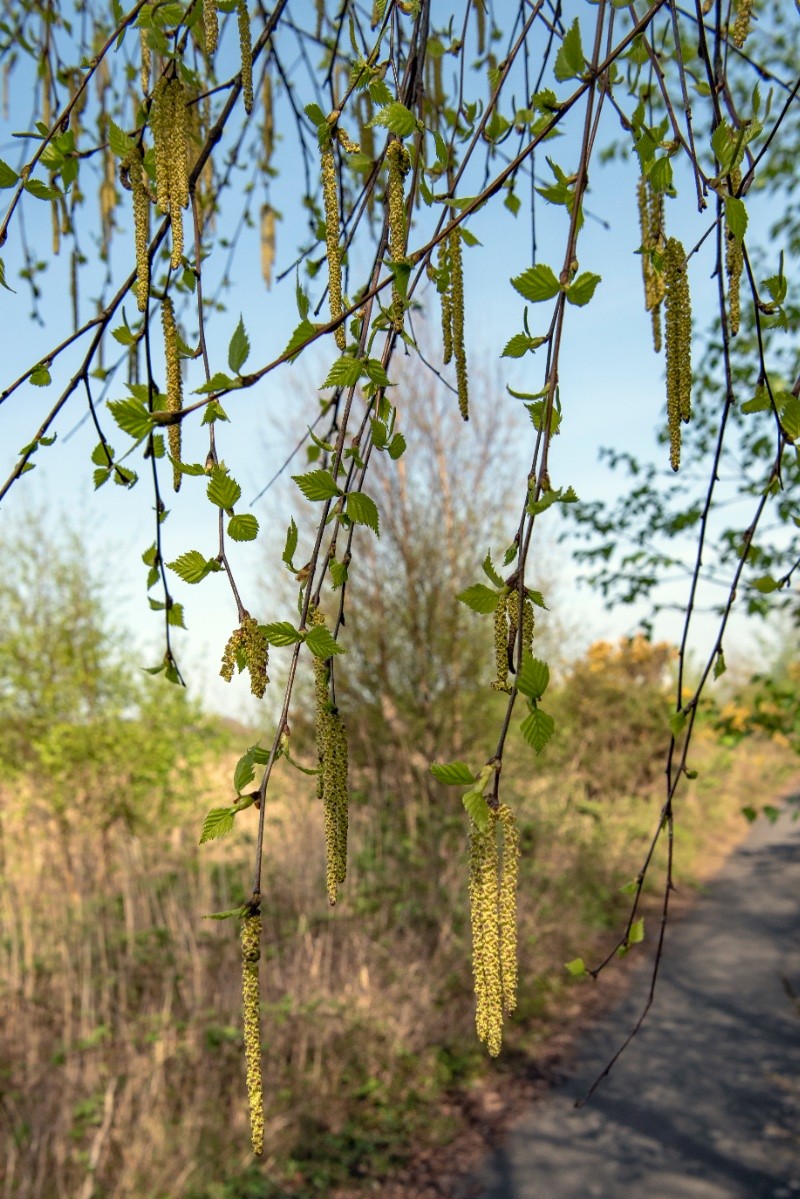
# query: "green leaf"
[[477, 808], [491, 573], [345, 372], [3, 278], [397, 446], [636, 934], [537, 728], [217, 382], [533, 677], [570, 62], [281, 632], [40, 190], [765, 584], [364, 511], [581, 290], [218, 823], [453, 773], [396, 118], [132, 417], [577, 968], [736, 216], [122, 146], [245, 767], [750, 813], [243, 528], [239, 348], [479, 598], [536, 284], [101, 476], [677, 723], [790, 418], [321, 643], [317, 485], [302, 334], [40, 376], [291, 544], [338, 572], [376, 373], [771, 812], [222, 490], [8, 176], [175, 616], [719, 665], [124, 336], [238, 912], [315, 115], [192, 566], [520, 344]]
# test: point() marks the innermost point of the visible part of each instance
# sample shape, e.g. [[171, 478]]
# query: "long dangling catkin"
[[159, 118], [141, 228], [147, 62], [483, 894], [267, 242], [398, 162], [268, 122], [246, 51], [447, 307], [741, 26], [651, 213], [679, 338], [251, 1021], [330, 198], [171, 134], [734, 263], [501, 643], [457, 308], [331, 739], [507, 907], [174, 385], [210, 25]]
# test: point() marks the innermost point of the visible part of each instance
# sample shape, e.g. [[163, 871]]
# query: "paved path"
[[705, 1103]]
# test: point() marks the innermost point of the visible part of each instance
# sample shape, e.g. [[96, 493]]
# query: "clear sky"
[[611, 388]]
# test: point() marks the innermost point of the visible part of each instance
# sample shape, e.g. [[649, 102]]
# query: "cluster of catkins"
[[331, 738], [493, 913], [451, 289], [506, 629], [248, 648]]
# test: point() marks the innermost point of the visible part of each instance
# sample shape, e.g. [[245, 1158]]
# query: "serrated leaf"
[[376, 373], [364, 511], [218, 382], [291, 544], [122, 146], [636, 933], [8, 176], [736, 216], [132, 417], [243, 527], [175, 616], [315, 115], [100, 476], [321, 643], [581, 290], [533, 677], [396, 118], [222, 490], [397, 446], [765, 584], [244, 772], [239, 348], [35, 187], [491, 573], [338, 572], [520, 344], [677, 723], [345, 372], [218, 823], [318, 485], [790, 418], [477, 808], [479, 598], [191, 566], [537, 728], [124, 336], [577, 967], [302, 334], [570, 61], [453, 773], [281, 632], [40, 376], [537, 284], [3, 278]]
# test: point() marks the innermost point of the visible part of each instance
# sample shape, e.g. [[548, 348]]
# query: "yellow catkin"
[[230, 655], [256, 655], [147, 62], [141, 228], [330, 197], [457, 306], [267, 242], [651, 218], [501, 644], [268, 122], [484, 898], [507, 908], [246, 51], [447, 307], [332, 789], [734, 263], [174, 385], [480, 13], [678, 338], [210, 25], [528, 622], [741, 25], [159, 118], [251, 1027], [398, 162], [169, 121], [346, 142]]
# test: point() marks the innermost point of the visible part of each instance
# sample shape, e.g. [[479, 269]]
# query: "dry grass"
[[121, 1070]]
